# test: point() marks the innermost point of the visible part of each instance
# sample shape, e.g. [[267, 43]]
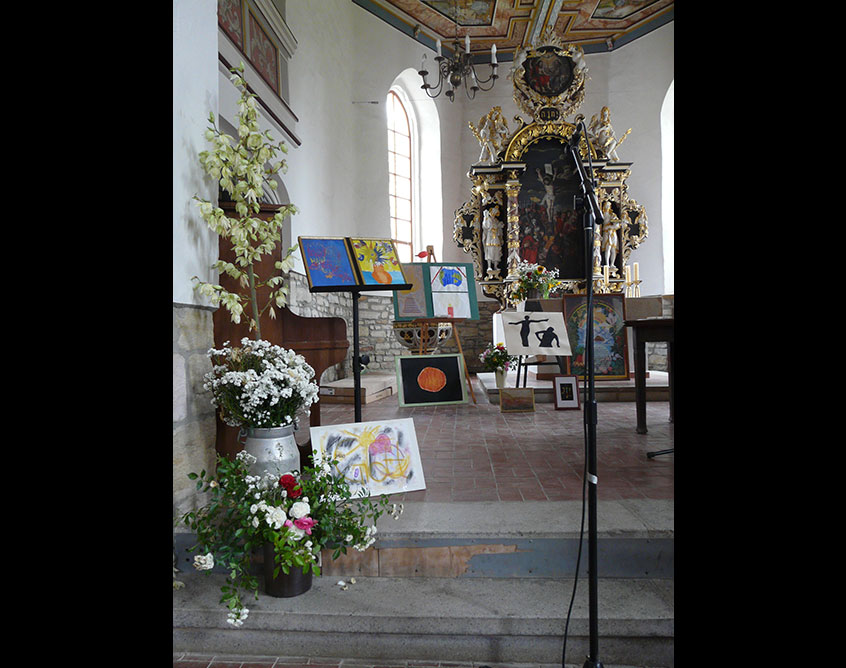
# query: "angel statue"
[[491, 133], [603, 134]]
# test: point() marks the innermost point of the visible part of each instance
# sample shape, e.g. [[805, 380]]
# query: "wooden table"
[[650, 329]]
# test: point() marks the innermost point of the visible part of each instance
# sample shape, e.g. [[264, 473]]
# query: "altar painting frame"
[[551, 232]]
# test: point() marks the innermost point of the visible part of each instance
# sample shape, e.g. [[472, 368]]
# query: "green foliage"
[[242, 167], [300, 514]]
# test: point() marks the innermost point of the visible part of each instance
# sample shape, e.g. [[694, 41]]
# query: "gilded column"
[[512, 189]]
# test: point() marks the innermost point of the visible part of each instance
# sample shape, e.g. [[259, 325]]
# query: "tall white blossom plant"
[[242, 167]]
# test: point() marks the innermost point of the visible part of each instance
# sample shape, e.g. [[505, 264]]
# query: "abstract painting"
[[516, 400], [379, 457], [535, 333], [426, 380], [610, 346], [410, 304], [328, 263], [377, 261]]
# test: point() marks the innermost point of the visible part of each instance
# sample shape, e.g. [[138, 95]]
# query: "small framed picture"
[[565, 389], [328, 263], [516, 400], [377, 262]]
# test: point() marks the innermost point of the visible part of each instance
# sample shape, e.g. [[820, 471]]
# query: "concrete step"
[[447, 619], [485, 582]]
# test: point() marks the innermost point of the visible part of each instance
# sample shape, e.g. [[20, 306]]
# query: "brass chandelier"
[[458, 70]]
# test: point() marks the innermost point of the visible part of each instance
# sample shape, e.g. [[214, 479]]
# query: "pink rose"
[[305, 523]]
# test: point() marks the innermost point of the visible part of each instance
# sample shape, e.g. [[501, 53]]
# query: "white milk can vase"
[[500, 378], [274, 448]]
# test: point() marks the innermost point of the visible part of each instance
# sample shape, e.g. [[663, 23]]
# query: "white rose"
[[204, 563], [300, 509]]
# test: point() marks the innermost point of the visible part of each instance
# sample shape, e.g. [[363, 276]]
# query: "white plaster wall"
[[345, 58], [338, 178], [194, 95]]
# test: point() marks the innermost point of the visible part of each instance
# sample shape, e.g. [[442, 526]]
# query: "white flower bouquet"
[[299, 514], [260, 385]]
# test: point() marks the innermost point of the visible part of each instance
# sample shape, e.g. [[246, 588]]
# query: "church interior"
[[451, 184]]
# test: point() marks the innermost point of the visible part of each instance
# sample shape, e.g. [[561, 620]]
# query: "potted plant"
[[533, 281], [496, 358], [261, 388], [291, 518], [257, 387]]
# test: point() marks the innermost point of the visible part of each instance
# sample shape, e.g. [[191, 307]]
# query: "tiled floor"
[[210, 661], [472, 452]]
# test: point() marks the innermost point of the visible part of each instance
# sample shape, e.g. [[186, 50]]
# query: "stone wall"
[[194, 422]]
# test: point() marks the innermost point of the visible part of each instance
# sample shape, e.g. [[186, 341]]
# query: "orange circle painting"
[[431, 379]]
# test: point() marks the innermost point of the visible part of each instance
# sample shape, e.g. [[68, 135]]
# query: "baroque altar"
[[522, 205]]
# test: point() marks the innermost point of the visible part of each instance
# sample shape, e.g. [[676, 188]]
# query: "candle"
[[606, 270], [423, 63], [466, 43], [493, 54], [628, 274], [438, 46], [636, 272]]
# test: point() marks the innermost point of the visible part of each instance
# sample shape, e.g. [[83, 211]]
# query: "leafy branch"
[[243, 167]]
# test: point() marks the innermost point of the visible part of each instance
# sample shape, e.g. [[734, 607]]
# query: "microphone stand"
[[591, 212]]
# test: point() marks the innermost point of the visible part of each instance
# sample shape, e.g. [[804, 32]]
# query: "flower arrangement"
[[260, 385], [496, 358], [300, 514], [533, 277]]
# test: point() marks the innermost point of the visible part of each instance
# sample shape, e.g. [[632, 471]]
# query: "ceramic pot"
[[275, 450], [284, 585]]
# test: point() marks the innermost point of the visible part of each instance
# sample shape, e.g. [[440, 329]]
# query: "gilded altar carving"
[[525, 199]]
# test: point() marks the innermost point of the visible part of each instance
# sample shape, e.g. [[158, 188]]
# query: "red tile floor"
[[472, 452]]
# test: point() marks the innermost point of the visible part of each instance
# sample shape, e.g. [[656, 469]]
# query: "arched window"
[[668, 120], [400, 178]]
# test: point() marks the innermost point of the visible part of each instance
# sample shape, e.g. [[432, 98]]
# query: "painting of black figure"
[[551, 230], [531, 334]]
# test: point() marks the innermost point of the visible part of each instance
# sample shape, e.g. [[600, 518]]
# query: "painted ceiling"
[[597, 26]]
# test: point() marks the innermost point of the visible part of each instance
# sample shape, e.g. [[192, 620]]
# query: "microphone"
[[574, 140]]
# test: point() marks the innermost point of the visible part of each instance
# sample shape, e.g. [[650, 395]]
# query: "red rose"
[[292, 487]]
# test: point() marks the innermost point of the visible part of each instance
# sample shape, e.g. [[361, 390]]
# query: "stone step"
[[657, 387], [635, 539], [447, 619]]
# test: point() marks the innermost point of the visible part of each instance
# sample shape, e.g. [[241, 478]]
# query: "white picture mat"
[[380, 456], [525, 331], [459, 301]]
